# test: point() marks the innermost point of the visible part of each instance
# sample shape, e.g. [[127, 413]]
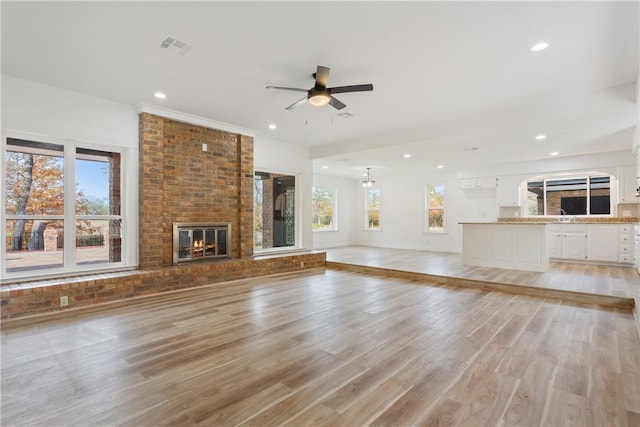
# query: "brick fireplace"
[[180, 182]]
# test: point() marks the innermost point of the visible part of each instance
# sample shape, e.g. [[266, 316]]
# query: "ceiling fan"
[[320, 94]]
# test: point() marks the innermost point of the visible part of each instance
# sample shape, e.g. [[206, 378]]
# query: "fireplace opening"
[[200, 241]]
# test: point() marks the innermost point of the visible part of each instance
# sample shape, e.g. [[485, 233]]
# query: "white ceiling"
[[447, 76]]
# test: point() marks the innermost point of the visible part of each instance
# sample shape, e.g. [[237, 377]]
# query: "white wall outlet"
[[301, 264], [64, 301], [204, 147]]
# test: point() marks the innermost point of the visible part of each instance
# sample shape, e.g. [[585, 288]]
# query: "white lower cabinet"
[[603, 243], [574, 245], [607, 243], [554, 241]]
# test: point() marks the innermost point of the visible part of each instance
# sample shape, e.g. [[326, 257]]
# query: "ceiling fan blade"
[[336, 104], [295, 104], [287, 88], [352, 88], [322, 76]]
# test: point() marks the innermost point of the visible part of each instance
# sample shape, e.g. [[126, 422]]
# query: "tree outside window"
[[435, 209], [373, 209], [324, 209]]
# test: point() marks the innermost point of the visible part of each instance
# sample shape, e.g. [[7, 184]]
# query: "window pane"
[[274, 210], [257, 212], [535, 197], [373, 209], [323, 208], [97, 183], [599, 195], [98, 241], [435, 208], [34, 244], [567, 196], [34, 178]]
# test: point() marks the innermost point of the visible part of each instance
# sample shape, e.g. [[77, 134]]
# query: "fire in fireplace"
[[194, 241]]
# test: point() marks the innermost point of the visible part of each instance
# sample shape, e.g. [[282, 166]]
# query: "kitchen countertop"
[[509, 223], [610, 220]]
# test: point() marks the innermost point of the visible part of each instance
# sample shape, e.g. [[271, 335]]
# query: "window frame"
[[334, 207], [427, 209], [70, 266], [367, 217], [296, 213], [587, 176]]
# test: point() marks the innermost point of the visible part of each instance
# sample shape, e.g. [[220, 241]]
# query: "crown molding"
[[194, 120]]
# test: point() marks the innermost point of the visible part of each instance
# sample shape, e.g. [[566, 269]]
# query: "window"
[[581, 196], [51, 226], [372, 209], [434, 209], [324, 209], [274, 198]]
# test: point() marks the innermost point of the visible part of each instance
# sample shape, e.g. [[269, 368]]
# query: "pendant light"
[[368, 182]]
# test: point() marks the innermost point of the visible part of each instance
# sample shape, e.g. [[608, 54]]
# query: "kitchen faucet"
[[562, 214]]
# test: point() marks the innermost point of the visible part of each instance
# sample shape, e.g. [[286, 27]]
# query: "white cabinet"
[[507, 190], [628, 183], [603, 242], [635, 258], [574, 245], [519, 246], [626, 239], [554, 240], [477, 183], [567, 241], [608, 243]]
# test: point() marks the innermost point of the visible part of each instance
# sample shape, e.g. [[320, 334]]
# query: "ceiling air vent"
[[345, 115], [174, 44]]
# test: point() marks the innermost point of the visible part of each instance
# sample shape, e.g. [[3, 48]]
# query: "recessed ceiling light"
[[440, 166], [160, 95], [325, 167], [406, 156], [539, 46], [272, 126], [554, 153], [541, 136]]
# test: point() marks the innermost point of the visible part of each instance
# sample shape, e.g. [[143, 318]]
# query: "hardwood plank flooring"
[[615, 281], [325, 348]]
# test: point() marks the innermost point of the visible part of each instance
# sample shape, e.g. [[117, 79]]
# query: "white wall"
[[402, 207], [345, 235], [270, 155], [52, 112], [600, 161]]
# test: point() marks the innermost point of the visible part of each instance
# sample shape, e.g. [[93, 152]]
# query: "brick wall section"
[[32, 298], [151, 194], [245, 196], [179, 182], [554, 198]]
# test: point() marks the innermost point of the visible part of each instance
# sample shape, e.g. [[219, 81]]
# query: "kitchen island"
[[516, 246]]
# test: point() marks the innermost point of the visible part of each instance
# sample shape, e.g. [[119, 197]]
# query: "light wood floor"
[[325, 348], [589, 278]]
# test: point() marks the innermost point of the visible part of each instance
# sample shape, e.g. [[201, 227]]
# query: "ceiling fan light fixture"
[[319, 99]]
